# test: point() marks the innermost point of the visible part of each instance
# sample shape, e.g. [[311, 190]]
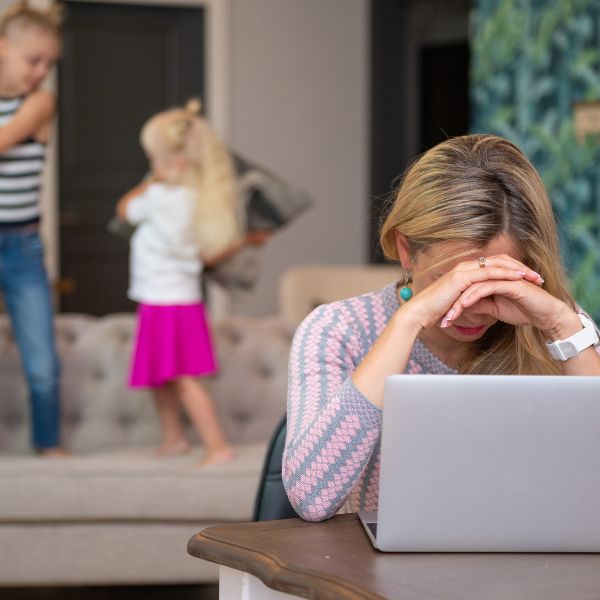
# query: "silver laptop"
[[473, 463]]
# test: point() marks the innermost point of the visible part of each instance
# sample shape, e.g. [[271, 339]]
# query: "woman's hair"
[[21, 16], [209, 169], [471, 189]]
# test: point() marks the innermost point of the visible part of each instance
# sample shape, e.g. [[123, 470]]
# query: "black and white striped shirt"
[[20, 174]]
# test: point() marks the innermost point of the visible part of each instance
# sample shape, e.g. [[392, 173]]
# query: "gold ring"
[[482, 262]]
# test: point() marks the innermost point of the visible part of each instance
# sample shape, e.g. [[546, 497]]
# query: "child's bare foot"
[[54, 452], [217, 457], [177, 448]]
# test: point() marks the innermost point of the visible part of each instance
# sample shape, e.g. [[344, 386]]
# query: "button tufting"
[[265, 371], [240, 417], [125, 420], [73, 418]]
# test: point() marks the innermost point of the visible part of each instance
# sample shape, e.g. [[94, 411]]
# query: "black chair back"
[[271, 500]]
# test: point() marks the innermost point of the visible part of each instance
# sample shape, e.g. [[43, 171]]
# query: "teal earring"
[[405, 292]]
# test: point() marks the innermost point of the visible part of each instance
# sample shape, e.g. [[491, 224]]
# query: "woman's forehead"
[[451, 253]]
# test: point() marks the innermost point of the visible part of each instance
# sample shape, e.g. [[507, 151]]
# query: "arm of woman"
[[332, 428], [34, 114], [336, 379]]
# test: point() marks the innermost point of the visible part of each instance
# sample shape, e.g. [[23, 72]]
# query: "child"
[[29, 47], [186, 218]]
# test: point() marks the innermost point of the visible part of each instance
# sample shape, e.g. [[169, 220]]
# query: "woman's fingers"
[[479, 292], [491, 297], [446, 294], [489, 288], [507, 262], [463, 280]]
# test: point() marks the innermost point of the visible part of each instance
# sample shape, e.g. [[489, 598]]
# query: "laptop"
[[489, 463]]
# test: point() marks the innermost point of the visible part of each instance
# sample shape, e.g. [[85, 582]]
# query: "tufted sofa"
[[113, 513]]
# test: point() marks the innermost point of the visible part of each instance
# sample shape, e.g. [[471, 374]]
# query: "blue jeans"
[[24, 282]]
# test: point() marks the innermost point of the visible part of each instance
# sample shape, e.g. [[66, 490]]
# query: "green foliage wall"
[[530, 60]]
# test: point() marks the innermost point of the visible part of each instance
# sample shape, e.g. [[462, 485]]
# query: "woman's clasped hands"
[[476, 293]]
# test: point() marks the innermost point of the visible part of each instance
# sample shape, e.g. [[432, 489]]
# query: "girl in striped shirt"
[[29, 47]]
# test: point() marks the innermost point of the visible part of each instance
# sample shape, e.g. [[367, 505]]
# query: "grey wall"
[[300, 91]]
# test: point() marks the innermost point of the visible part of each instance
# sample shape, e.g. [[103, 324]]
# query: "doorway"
[[419, 89], [121, 64]]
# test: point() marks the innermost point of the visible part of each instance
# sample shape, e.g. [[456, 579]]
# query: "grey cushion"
[[129, 484], [99, 412]]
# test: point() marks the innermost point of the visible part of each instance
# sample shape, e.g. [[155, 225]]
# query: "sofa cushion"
[[100, 413], [131, 485]]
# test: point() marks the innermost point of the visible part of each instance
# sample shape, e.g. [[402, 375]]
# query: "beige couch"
[[113, 513]]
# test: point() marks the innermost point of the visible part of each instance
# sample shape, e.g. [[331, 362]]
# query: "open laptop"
[[482, 463]]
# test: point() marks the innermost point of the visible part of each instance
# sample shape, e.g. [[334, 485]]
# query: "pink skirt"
[[171, 341]]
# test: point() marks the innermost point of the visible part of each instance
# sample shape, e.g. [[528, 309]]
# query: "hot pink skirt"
[[171, 341]]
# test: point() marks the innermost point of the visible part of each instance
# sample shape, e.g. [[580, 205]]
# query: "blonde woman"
[[185, 216], [482, 290]]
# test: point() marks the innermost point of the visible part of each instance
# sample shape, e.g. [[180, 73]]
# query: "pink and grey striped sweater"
[[332, 448]]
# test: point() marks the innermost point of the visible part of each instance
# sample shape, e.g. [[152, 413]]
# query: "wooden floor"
[[135, 592]]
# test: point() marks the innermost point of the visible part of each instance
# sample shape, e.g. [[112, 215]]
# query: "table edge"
[[271, 570]]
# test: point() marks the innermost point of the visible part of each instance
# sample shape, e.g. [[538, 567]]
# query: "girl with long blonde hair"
[[186, 217], [481, 290]]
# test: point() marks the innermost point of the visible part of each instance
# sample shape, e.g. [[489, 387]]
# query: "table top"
[[335, 560]]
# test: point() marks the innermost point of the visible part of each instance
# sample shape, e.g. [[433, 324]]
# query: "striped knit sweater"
[[20, 174], [332, 448]]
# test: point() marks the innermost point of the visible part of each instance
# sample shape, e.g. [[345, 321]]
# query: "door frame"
[[218, 100]]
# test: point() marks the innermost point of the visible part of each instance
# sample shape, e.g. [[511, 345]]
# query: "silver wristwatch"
[[574, 345]]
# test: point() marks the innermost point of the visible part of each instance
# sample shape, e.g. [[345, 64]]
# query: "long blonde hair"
[[471, 189], [209, 169], [21, 16]]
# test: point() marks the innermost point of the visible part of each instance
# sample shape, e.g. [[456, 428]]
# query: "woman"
[[482, 291]]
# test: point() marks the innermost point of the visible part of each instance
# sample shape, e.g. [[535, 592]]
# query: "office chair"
[[271, 500]]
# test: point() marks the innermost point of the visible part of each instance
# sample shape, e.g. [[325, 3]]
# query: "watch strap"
[[574, 345]]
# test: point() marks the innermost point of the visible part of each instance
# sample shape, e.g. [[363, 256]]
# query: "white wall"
[[300, 93]]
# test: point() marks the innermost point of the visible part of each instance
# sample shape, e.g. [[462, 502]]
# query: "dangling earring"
[[405, 292]]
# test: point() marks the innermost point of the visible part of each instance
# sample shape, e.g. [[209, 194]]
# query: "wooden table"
[[335, 560]]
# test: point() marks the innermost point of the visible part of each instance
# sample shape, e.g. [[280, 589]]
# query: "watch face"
[[569, 350]]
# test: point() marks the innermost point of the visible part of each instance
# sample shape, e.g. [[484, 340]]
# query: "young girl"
[[29, 47], [483, 291], [186, 218]]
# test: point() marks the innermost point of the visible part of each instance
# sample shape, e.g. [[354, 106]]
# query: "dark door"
[[121, 64], [419, 89], [444, 92]]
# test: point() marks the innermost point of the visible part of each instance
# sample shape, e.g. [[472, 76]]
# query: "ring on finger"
[[482, 262]]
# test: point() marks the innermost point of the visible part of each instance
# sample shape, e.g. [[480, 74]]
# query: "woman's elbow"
[[307, 510]]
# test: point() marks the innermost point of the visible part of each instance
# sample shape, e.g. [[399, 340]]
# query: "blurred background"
[[335, 97]]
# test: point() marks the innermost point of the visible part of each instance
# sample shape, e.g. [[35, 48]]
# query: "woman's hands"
[[519, 301], [442, 299]]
